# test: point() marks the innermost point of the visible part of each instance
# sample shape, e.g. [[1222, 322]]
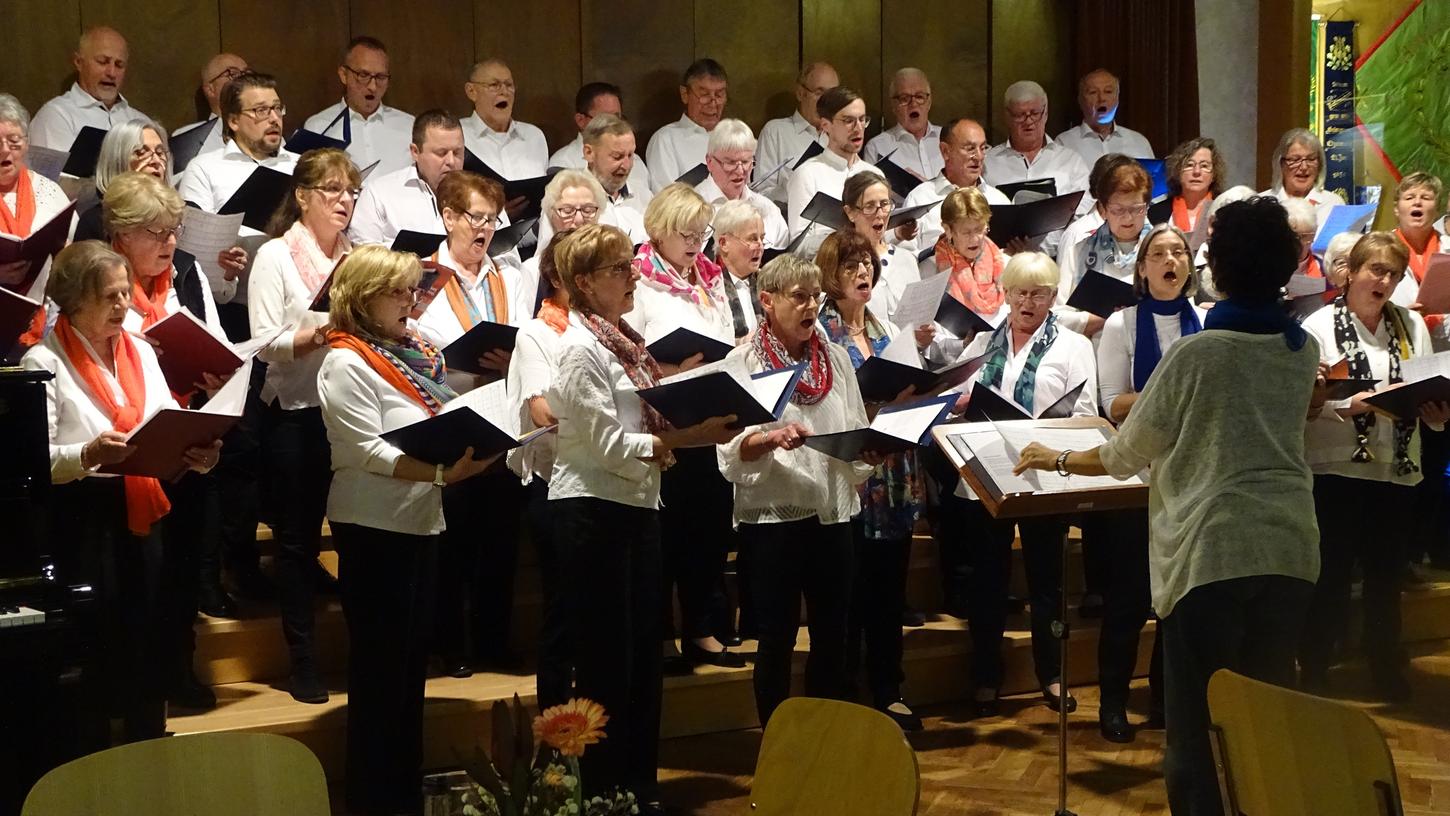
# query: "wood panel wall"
[[971, 49]]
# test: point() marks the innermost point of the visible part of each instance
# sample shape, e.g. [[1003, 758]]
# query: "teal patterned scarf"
[[998, 346]]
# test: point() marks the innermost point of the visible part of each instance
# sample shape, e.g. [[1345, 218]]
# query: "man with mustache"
[[513, 149], [963, 149], [1100, 134], [1029, 153], [784, 141], [729, 156], [593, 99], [609, 155], [189, 141], [678, 147], [404, 199], [94, 99], [914, 142], [378, 133]]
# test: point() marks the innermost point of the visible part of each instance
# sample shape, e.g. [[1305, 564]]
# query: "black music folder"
[[85, 152], [463, 423], [901, 216], [690, 401], [901, 180], [814, 149], [186, 146], [826, 210], [962, 322], [895, 428], [1404, 401], [530, 189], [1046, 186], [422, 244], [303, 140], [1102, 295], [1033, 219], [880, 379], [510, 236], [38, 247], [681, 344], [986, 405], [258, 197], [462, 354], [694, 175]]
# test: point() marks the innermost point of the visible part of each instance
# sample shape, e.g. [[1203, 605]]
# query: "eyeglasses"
[[482, 220], [875, 207], [803, 299], [494, 85], [1028, 117], [748, 240], [692, 238], [911, 98], [365, 77], [1038, 296], [228, 74], [859, 268], [262, 112], [1160, 255], [1206, 167], [569, 211], [1118, 211], [734, 166], [703, 96], [334, 191], [851, 121], [1300, 161], [411, 295], [145, 153], [619, 269], [13, 142], [165, 232], [1383, 271]]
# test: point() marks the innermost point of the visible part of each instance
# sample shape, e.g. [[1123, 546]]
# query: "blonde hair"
[[75, 274], [964, 203], [1420, 178], [365, 274], [585, 251], [1029, 270], [676, 209], [786, 271], [138, 200], [1375, 245]]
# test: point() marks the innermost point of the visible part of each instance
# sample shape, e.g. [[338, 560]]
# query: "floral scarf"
[[639, 365], [414, 366], [1025, 392], [976, 283], [312, 263], [815, 383], [653, 267], [1401, 348], [839, 334]]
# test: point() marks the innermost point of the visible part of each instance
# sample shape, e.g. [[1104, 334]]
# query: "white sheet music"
[[206, 235], [1304, 285], [920, 301], [231, 398], [909, 423], [492, 403], [902, 349], [989, 445], [768, 388], [1416, 369]]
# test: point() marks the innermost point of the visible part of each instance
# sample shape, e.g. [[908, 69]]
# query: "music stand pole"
[[1062, 631]]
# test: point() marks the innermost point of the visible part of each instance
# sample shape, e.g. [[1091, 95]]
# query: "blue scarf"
[[1146, 353], [1103, 250], [1025, 391], [1256, 318]]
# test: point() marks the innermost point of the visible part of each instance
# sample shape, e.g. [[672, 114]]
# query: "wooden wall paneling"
[[949, 40], [1283, 76], [37, 64], [431, 49], [847, 34], [541, 44], [758, 42], [644, 47], [168, 39], [297, 42], [1032, 39]]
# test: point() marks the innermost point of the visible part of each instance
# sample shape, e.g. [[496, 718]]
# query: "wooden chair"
[[825, 756], [1284, 753], [224, 774]]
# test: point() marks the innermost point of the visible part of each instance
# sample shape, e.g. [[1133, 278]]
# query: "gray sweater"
[[1221, 422]]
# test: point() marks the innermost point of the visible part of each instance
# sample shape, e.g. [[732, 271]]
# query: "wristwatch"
[[438, 476]]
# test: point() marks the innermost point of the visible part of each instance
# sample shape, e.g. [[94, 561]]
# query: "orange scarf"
[[554, 316], [1420, 261], [389, 372], [22, 220], [977, 284], [152, 308], [1181, 217], [462, 306], [146, 502]]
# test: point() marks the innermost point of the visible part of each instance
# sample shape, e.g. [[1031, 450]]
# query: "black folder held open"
[[479, 419], [1101, 295], [759, 400], [986, 405], [682, 344], [85, 153], [258, 197], [463, 354], [895, 428], [881, 380], [1032, 220], [962, 322]]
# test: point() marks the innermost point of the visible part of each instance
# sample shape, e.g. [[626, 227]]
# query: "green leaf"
[[502, 740], [523, 732]]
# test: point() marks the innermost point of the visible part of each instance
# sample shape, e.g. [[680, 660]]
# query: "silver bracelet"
[[1062, 463]]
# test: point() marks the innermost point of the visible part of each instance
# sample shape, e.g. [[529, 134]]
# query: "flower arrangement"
[[533, 768]]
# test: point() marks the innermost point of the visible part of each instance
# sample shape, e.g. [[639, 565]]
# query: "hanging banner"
[[1336, 90]]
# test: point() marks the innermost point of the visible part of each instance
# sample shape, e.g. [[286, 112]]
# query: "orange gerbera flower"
[[568, 728]]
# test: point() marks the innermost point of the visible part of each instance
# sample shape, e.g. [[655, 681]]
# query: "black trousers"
[[1097, 553], [791, 560], [951, 526], [1248, 625], [237, 492], [696, 504], [1350, 514], [991, 575], [478, 558], [185, 536], [299, 467], [612, 594], [386, 581], [555, 663], [877, 596], [1127, 606], [1431, 531], [93, 545]]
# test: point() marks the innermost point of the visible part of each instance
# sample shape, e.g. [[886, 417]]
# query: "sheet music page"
[[1416, 369], [701, 370], [908, 424], [46, 162], [902, 349], [1303, 285], [767, 389], [492, 403], [206, 235], [251, 348], [920, 301], [231, 399], [1017, 437], [988, 448]]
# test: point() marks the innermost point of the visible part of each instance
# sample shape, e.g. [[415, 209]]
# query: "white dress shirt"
[[72, 414], [636, 190], [521, 152], [532, 369], [383, 137], [1117, 349], [278, 298], [782, 143], [777, 235], [394, 202], [674, 150], [658, 312], [898, 269], [133, 319], [784, 486], [602, 441], [60, 120], [1086, 143], [928, 225], [440, 326], [825, 173], [1004, 165], [920, 156], [358, 406], [739, 288], [50, 199], [1072, 265]]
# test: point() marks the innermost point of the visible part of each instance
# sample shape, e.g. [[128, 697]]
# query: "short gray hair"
[[1238, 192], [1291, 137], [733, 216], [15, 113], [571, 177], [1302, 214], [785, 271], [605, 124], [907, 73], [116, 149], [730, 135], [1023, 90]]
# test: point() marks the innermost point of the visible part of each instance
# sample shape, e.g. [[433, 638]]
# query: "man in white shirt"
[[784, 141], [374, 132], [1100, 134], [963, 146], [728, 158], [609, 156], [94, 99], [679, 147], [189, 141], [914, 143], [514, 150], [592, 99], [1028, 153], [403, 199]]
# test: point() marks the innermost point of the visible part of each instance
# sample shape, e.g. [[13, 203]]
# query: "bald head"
[[100, 61], [815, 79], [215, 75], [963, 150]]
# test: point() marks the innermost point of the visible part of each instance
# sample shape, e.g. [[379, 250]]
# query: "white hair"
[[116, 149], [1029, 270], [730, 135], [733, 216], [1236, 193], [1296, 136], [15, 113], [1339, 247], [1302, 214], [565, 179], [1024, 90], [905, 74]]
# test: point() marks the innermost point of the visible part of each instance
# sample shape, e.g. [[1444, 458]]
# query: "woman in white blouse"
[[1298, 171], [290, 269], [105, 383], [866, 199], [27, 201], [386, 512], [1195, 171], [680, 287], [1122, 194], [793, 505], [1133, 341], [1365, 466], [1033, 362], [572, 199], [605, 494]]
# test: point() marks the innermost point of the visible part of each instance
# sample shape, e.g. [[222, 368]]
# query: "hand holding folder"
[[481, 419], [895, 428], [162, 441]]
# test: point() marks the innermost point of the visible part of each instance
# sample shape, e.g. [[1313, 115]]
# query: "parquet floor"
[[1007, 766]]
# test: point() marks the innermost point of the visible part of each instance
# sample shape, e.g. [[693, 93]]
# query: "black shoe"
[[1114, 725], [987, 708], [214, 602], [698, 656], [502, 661], [1091, 606], [189, 692], [729, 640], [307, 687], [912, 618], [677, 666], [323, 582], [652, 809], [1053, 702], [908, 721], [252, 584], [456, 667]]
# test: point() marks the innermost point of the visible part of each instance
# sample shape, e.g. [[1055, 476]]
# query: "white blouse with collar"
[[532, 370], [278, 299], [1116, 349], [657, 311]]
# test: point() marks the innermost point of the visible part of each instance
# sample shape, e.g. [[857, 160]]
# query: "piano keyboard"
[[19, 616]]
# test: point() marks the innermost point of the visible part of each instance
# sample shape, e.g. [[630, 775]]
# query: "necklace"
[[855, 331]]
